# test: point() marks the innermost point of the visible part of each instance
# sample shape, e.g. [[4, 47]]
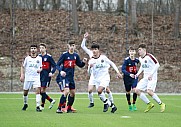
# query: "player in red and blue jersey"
[[129, 69], [66, 66], [48, 69]]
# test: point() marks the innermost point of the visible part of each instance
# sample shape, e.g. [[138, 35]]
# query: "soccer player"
[[30, 75], [149, 67], [48, 69], [90, 85], [99, 68], [129, 69], [66, 65]]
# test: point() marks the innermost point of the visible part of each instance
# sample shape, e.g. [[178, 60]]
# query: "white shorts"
[[144, 84], [91, 81], [29, 84], [103, 83]]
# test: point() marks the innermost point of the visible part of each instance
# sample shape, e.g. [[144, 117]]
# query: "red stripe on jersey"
[[45, 65], [69, 63], [154, 60], [131, 69]]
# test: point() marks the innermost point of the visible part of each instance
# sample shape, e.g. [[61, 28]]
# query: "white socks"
[[90, 96], [38, 100], [25, 98], [144, 98], [156, 98], [110, 97]]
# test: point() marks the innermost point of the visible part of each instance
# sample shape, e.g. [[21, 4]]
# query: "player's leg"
[[142, 86], [134, 94], [62, 100], [37, 87], [26, 87], [110, 96], [71, 99], [90, 95], [128, 96], [151, 88]]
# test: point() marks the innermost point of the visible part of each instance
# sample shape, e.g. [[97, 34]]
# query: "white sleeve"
[[88, 51], [112, 64], [40, 62], [156, 65], [25, 62]]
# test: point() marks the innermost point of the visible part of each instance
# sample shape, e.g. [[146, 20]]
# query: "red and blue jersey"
[[129, 67], [48, 65], [67, 63]]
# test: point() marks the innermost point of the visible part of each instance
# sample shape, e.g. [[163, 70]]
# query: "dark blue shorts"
[[64, 83], [45, 84], [130, 85]]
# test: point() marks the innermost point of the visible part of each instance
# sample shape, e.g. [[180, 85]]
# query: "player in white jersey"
[[99, 69], [90, 84], [149, 67], [30, 75]]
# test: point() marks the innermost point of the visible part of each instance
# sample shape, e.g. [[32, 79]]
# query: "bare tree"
[[75, 17], [90, 4], [79, 7], [41, 5], [133, 17], [177, 19], [34, 4], [120, 7]]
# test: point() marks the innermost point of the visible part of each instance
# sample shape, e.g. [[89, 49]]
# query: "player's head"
[[42, 48], [33, 49], [132, 51], [95, 49], [71, 46], [142, 49]]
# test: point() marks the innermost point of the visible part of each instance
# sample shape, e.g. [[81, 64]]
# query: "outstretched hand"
[[86, 35]]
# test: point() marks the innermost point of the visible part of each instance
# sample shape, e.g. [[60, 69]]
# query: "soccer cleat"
[[42, 108], [91, 105], [59, 111], [113, 109], [134, 107], [51, 104], [70, 111], [149, 107], [38, 109], [162, 107], [130, 108], [106, 106], [25, 107]]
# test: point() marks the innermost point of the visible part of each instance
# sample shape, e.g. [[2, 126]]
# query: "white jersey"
[[31, 66], [149, 66], [88, 51], [100, 68]]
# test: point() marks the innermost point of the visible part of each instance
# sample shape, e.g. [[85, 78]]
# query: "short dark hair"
[[34, 45], [142, 45], [43, 44], [94, 46], [71, 42], [131, 48]]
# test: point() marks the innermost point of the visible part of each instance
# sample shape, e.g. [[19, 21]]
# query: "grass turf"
[[11, 114]]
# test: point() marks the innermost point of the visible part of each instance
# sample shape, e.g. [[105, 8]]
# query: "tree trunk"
[[54, 4], [177, 19], [90, 4], [75, 17], [120, 7], [133, 17], [34, 4], [41, 5], [79, 7]]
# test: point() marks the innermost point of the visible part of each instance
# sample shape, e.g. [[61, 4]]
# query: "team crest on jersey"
[[74, 57], [45, 59], [68, 58], [37, 61], [102, 61], [145, 61]]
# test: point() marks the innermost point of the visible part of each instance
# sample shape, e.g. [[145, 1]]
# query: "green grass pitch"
[[11, 114]]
